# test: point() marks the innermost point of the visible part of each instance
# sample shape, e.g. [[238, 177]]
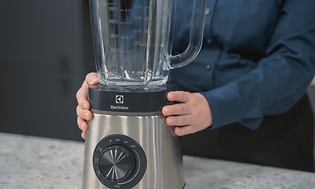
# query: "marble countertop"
[[28, 162]]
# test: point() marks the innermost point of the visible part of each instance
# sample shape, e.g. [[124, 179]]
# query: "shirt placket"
[[210, 52]]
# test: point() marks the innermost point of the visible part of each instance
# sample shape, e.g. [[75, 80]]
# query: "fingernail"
[[170, 96], [94, 81], [177, 131], [166, 110], [85, 106], [170, 121], [86, 115]]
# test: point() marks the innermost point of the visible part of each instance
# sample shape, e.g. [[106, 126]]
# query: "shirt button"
[[208, 67], [207, 11], [209, 41]]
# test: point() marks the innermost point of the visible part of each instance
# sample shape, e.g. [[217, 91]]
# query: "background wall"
[[45, 53]]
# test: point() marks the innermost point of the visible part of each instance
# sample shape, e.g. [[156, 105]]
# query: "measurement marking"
[[112, 21], [140, 44], [117, 50], [115, 9], [116, 36]]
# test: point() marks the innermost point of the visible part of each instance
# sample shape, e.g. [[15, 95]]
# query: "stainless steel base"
[[164, 158]]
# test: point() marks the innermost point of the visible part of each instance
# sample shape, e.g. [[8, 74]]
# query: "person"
[[244, 97]]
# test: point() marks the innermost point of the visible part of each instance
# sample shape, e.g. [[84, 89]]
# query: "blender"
[[128, 144]]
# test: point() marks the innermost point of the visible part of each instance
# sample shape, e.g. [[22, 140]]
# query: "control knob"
[[116, 163]]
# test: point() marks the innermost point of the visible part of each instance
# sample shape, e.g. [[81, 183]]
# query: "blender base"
[[151, 153]]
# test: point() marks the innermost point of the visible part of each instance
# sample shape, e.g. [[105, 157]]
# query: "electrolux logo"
[[119, 100]]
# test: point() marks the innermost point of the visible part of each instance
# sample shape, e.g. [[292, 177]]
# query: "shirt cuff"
[[227, 107]]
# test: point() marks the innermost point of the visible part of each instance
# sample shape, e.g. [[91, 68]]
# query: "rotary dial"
[[119, 161], [116, 163]]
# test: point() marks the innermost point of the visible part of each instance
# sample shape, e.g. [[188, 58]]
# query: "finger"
[[82, 97], [180, 109], [83, 135], [176, 109], [84, 114], [184, 130], [92, 79], [178, 96], [82, 94], [82, 124], [178, 120]]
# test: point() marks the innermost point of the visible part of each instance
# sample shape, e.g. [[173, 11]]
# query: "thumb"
[[92, 79]]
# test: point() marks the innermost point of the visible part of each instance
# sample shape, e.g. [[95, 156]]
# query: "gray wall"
[[45, 53]]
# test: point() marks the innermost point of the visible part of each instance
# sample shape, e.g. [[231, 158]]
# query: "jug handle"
[[195, 39]]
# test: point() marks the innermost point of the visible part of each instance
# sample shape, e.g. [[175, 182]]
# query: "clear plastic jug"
[[133, 40]]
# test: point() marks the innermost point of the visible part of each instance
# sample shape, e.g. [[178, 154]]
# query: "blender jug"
[[133, 40]]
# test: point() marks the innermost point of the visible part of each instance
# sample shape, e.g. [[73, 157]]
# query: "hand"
[[190, 115], [83, 109]]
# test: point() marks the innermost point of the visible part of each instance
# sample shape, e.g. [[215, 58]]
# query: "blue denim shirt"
[[258, 57]]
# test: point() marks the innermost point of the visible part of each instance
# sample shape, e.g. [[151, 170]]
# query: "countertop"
[[28, 162]]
